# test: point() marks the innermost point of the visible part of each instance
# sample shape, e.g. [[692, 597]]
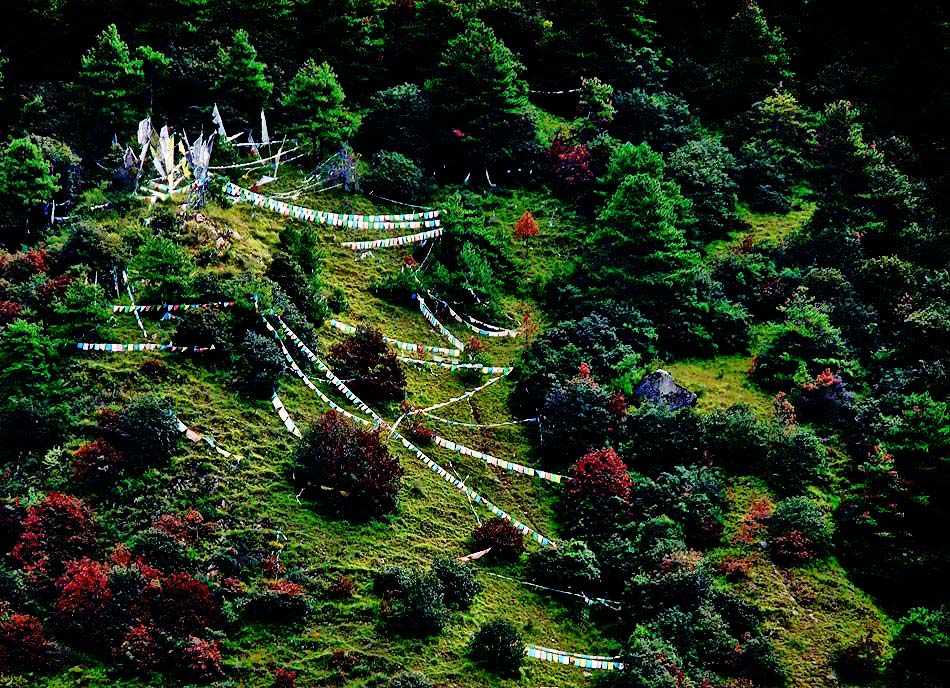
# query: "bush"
[[799, 530], [24, 645], [285, 678], [278, 601], [572, 566], [58, 529], [96, 462], [164, 271], [576, 417], [795, 460], [147, 434], [161, 549], [497, 646], [183, 605], [660, 439], [417, 606], [373, 365], [596, 476], [922, 648], [83, 596], [506, 541], [139, 650], [458, 581], [410, 681], [201, 660], [259, 363], [395, 176], [736, 438], [349, 459], [30, 425]]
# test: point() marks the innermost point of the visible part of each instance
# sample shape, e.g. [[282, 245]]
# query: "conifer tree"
[[480, 98], [25, 179], [314, 107], [111, 86], [242, 84]]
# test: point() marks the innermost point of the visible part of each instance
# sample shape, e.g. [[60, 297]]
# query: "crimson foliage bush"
[[362, 475], [506, 541], [367, 359]]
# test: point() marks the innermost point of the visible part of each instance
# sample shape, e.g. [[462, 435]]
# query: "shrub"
[[9, 311], [23, 644], [259, 363], [922, 648], [202, 327], [147, 433], [506, 541], [96, 461], [285, 678], [410, 681], [341, 588], [526, 227], [161, 549], [164, 270], [824, 400], [659, 439], [347, 458], [497, 646], [183, 605], [58, 529], [83, 595], [458, 582], [735, 438], [800, 531], [139, 651], [597, 475], [576, 417], [572, 565], [417, 606], [30, 424], [278, 601], [367, 358], [396, 176], [202, 660], [795, 460]]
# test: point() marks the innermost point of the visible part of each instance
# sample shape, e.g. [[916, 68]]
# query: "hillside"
[[362, 390]]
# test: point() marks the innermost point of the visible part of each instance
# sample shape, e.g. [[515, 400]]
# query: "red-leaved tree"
[[96, 461], [570, 167], [526, 227], [362, 476], [183, 606], [23, 644], [58, 529], [597, 476], [372, 365]]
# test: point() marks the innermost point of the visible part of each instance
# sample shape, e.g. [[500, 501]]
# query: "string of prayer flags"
[[588, 600], [114, 348], [405, 346], [528, 531], [196, 436], [430, 316], [479, 425], [284, 416], [470, 323], [171, 307], [392, 241], [495, 461], [485, 370], [584, 661], [453, 400], [424, 220], [128, 288]]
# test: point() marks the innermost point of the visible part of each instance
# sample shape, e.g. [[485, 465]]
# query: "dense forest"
[[421, 343]]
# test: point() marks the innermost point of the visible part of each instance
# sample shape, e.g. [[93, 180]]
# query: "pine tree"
[[25, 180], [111, 86], [242, 85], [314, 107], [480, 98]]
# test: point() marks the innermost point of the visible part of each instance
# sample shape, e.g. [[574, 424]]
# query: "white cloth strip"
[[432, 320], [479, 425], [495, 461], [405, 346]]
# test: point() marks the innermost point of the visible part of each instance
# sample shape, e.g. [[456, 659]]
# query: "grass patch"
[[720, 382]]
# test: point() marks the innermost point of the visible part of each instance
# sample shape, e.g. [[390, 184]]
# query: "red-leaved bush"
[[362, 475], [285, 678], [9, 311], [342, 588], [753, 522], [597, 476], [792, 549], [183, 605], [202, 660], [570, 167], [58, 529], [372, 365], [23, 644], [96, 461], [139, 650], [506, 541], [83, 594]]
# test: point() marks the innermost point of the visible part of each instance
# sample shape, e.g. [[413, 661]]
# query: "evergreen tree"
[[25, 180], [242, 85], [111, 87], [480, 98], [314, 107], [639, 246], [753, 60]]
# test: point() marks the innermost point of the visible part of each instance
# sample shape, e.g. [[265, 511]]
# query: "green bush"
[[163, 271], [410, 681], [497, 646], [395, 176], [147, 434], [458, 581], [571, 565], [418, 605], [259, 364], [800, 531]]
